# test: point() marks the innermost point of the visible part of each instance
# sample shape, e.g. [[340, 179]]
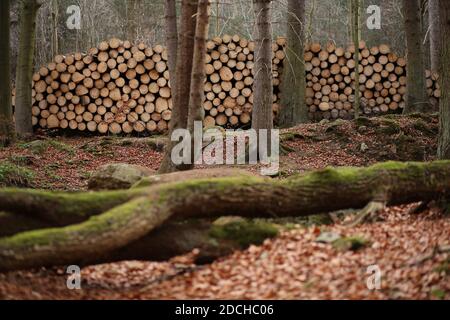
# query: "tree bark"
[[55, 16], [262, 116], [198, 67], [27, 30], [356, 35], [293, 105], [444, 67], [170, 10], [416, 95], [132, 13], [183, 73], [6, 121], [393, 183], [435, 35]]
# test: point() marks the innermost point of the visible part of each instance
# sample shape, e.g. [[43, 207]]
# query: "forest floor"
[[410, 250]]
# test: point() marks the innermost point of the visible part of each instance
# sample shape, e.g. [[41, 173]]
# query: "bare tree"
[[132, 9], [435, 35], [6, 123], [262, 116], [293, 106], [180, 95], [444, 67], [355, 8], [416, 95], [55, 17], [171, 26], [27, 36], [198, 67]]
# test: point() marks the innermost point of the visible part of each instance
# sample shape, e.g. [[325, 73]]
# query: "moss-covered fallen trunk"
[[136, 214]]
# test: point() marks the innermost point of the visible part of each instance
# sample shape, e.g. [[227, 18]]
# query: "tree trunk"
[[416, 95], [171, 38], [149, 208], [262, 116], [180, 95], [293, 105], [55, 15], [444, 67], [198, 67], [6, 122], [27, 31], [356, 35], [435, 35], [132, 12]]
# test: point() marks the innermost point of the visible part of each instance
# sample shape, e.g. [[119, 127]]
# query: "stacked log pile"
[[330, 74], [118, 87], [115, 87], [433, 89], [228, 87]]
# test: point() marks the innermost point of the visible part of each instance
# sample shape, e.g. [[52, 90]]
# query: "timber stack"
[[118, 87], [330, 77]]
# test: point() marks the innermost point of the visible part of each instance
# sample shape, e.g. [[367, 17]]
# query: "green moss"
[[423, 127], [363, 121], [219, 184], [335, 125], [22, 160], [427, 117], [353, 243], [14, 175], [319, 219], [444, 267], [306, 221], [62, 206], [290, 136], [243, 232], [115, 218], [143, 183], [389, 126], [126, 143], [156, 144], [41, 146], [438, 294]]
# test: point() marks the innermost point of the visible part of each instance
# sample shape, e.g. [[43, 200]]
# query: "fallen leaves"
[[293, 265]]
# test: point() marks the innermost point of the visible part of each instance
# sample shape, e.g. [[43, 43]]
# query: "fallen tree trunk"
[[148, 208]]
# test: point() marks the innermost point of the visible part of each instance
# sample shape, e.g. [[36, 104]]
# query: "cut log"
[[113, 221]]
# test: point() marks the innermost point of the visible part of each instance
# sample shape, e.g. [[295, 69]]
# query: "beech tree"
[[132, 10], [435, 34], [27, 31], [262, 116], [444, 67], [198, 66], [355, 8], [6, 123], [183, 71], [416, 95], [171, 27], [293, 106]]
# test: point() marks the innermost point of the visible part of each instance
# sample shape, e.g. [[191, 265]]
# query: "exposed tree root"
[[368, 213], [135, 214]]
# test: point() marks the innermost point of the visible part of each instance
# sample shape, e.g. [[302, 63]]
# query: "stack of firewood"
[[228, 87], [115, 87], [330, 74], [433, 89], [118, 87]]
